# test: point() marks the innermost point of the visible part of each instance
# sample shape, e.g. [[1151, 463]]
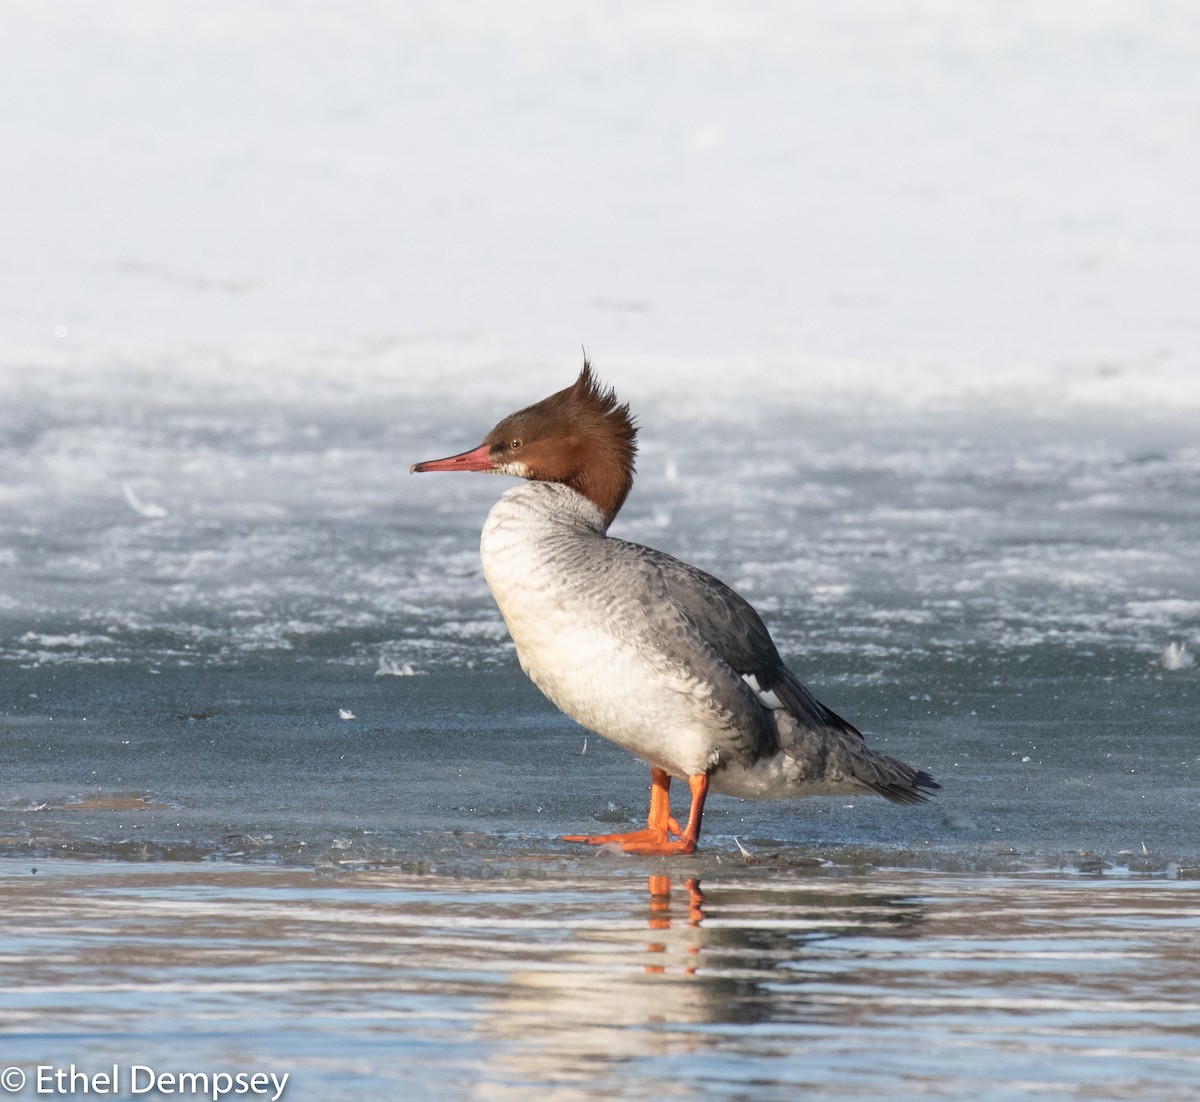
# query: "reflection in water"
[[761, 984], [718, 966], [660, 917]]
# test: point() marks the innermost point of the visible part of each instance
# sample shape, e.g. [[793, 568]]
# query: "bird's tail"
[[841, 759], [890, 777]]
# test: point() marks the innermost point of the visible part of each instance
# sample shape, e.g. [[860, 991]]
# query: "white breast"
[[545, 558]]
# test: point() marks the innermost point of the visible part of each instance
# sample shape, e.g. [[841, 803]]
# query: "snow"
[[924, 203]]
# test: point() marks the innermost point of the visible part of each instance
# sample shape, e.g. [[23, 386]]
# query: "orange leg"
[[656, 838]]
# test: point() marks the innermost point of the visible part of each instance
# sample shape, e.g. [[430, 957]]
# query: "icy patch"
[[72, 641], [143, 508], [492, 630], [830, 592], [1176, 656], [1164, 611], [391, 667]]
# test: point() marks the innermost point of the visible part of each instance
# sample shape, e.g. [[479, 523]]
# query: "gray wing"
[[685, 604], [735, 633]]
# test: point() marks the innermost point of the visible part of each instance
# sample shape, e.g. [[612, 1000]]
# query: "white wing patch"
[[767, 698]]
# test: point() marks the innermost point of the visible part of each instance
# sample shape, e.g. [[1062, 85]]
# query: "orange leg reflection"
[[660, 917], [656, 838]]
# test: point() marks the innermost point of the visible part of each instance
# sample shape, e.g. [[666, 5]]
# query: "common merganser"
[[647, 651]]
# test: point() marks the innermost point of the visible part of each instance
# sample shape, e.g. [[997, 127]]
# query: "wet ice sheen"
[[387, 905], [613, 984], [989, 601]]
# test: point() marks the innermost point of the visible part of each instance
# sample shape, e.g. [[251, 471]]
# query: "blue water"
[[607, 984]]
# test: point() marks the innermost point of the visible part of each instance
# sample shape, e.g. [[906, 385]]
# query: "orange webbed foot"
[[664, 848], [622, 839], [645, 842], [663, 835]]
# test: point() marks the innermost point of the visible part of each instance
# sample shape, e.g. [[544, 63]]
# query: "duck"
[[641, 648]]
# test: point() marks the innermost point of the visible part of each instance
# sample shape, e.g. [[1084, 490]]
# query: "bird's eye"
[[515, 443]]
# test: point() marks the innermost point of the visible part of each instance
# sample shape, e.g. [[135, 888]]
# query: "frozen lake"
[[238, 633], [199, 589], [904, 300]]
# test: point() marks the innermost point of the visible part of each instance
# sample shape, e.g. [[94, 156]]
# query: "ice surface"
[[990, 601], [903, 296]]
